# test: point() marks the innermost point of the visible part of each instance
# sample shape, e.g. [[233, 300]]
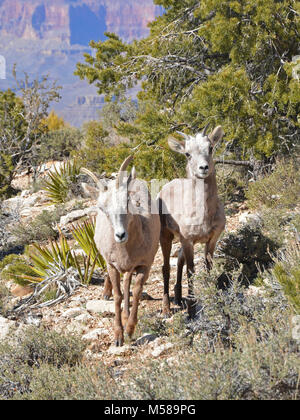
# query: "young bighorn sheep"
[[201, 217], [127, 235]]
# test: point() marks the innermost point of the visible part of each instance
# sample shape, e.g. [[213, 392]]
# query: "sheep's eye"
[[188, 155]]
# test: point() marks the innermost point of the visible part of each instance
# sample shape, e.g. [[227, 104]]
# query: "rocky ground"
[[85, 312]]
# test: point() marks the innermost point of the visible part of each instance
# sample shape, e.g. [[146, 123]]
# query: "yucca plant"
[[57, 270], [84, 234], [49, 260], [60, 182]]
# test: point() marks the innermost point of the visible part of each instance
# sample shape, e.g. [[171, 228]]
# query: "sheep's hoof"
[[130, 330], [191, 309], [106, 297], [119, 342], [167, 314], [178, 301]]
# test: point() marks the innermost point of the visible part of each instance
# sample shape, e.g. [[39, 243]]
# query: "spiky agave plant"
[[57, 257], [59, 182], [84, 234]]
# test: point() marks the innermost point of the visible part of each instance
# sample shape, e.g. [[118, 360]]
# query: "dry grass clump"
[[279, 189]]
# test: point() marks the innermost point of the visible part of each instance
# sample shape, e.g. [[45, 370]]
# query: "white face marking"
[[119, 204], [114, 204], [198, 151]]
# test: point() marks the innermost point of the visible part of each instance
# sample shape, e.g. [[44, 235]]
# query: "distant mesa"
[[76, 21], [90, 100], [49, 37]]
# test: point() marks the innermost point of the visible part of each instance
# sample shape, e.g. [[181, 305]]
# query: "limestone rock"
[[5, 327], [72, 312], [100, 306], [95, 334], [21, 291], [161, 349], [116, 351]]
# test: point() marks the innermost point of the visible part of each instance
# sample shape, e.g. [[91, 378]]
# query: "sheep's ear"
[[176, 145], [133, 173], [217, 135], [102, 185]]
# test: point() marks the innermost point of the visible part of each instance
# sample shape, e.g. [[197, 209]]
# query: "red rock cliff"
[[65, 20]]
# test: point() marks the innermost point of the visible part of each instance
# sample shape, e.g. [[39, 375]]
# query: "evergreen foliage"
[[225, 62]]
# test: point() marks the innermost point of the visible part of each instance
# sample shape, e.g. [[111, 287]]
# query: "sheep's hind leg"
[[166, 239], [178, 286], [107, 293]]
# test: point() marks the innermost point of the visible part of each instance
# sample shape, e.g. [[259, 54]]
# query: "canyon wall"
[[49, 37], [76, 22]]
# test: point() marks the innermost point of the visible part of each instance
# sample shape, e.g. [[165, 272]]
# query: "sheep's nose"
[[121, 236], [203, 168]]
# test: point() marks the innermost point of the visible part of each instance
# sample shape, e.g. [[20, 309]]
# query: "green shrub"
[[35, 348], [287, 272], [250, 247], [42, 228], [231, 183], [16, 268], [59, 144], [6, 173], [76, 383], [3, 297], [280, 189], [151, 162], [278, 224], [240, 347], [91, 154]]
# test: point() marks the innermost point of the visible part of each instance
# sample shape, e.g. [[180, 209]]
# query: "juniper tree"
[[224, 62]]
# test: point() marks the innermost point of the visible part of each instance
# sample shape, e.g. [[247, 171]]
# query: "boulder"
[[5, 327], [76, 215], [117, 351], [21, 291], [161, 349], [100, 306], [246, 218], [72, 313], [95, 334]]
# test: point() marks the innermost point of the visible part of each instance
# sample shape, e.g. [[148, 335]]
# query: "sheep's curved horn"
[[94, 178], [123, 169], [205, 130]]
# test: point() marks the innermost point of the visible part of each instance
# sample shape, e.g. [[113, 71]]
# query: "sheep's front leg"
[[141, 278], [126, 310], [114, 276]]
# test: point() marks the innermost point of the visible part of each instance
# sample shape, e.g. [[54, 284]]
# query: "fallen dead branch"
[[65, 283]]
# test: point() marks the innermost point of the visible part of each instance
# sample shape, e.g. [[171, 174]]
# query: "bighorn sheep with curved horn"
[[190, 209], [127, 235]]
